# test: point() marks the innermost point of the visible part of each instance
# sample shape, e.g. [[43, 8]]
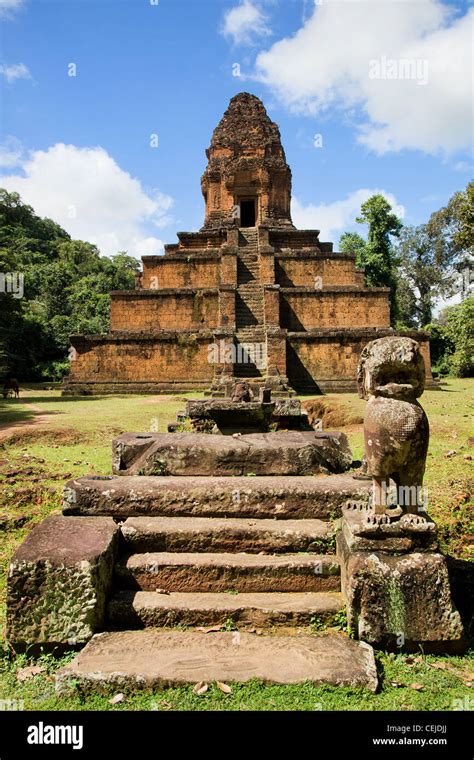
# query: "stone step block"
[[282, 497], [58, 581], [226, 534], [217, 572], [151, 659], [281, 453], [143, 609]]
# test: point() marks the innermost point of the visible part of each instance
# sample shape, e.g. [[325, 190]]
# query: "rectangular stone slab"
[[58, 580], [225, 534], [223, 572], [149, 659], [141, 609], [285, 453], [282, 497]]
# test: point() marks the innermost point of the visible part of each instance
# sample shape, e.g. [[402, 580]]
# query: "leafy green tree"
[[421, 274], [66, 290], [452, 230], [352, 242], [452, 339], [378, 257], [460, 324]]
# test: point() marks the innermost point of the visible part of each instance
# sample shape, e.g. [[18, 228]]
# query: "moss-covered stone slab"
[[59, 579], [284, 453], [280, 497]]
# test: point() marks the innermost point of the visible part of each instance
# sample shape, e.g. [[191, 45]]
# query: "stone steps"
[[249, 303], [295, 497], [219, 571], [226, 534], [143, 609], [152, 659]]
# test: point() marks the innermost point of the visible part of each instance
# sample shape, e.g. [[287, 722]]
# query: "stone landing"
[[150, 659]]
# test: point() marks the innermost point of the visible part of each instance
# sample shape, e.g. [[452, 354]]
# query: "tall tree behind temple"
[[452, 230], [425, 278], [377, 254], [66, 290]]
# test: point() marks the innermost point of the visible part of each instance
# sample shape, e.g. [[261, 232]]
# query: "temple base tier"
[[290, 314]]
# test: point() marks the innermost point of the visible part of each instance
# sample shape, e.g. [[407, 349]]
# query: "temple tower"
[[247, 179], [248, 296]]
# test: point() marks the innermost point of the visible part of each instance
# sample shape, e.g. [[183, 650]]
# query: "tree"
[[378, 256], [352, 242], [452, 339], [66, 290], [421, 273], [452, 230], [460, 325]]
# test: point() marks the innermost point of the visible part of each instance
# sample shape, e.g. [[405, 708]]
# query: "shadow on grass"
[[68, 399], [11, 414]]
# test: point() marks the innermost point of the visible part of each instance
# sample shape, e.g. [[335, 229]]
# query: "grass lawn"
[[46, 439]]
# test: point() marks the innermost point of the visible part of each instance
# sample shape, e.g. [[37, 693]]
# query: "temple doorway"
[[248, 213]]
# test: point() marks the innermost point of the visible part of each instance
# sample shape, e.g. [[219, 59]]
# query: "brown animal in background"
[[11, 387]]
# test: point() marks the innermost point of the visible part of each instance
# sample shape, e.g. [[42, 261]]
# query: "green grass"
[[74, 438], [441, 689]]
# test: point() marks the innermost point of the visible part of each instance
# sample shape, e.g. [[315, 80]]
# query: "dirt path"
[[8, 429]]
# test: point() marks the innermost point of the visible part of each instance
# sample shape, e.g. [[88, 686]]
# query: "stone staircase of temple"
[[249, 306], [242, 569], [217, 570]]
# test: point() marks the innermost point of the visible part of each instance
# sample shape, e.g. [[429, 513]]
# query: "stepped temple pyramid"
[[248, 296]]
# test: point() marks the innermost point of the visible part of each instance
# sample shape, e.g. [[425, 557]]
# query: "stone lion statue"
[[241, 391], [391, 376]]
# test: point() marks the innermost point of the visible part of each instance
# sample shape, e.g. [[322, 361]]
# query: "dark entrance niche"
[[247, 213]]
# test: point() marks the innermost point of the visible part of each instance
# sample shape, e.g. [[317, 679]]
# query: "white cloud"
[[11, 153], [332, 219], [328, 63], [244, 23], [14, 71], [87, 193], [463, 166], [8, 7]]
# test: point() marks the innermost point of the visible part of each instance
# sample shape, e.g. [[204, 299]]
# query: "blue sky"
[[78, 148]]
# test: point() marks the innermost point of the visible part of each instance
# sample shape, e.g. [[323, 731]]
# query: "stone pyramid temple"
[[248, 296]]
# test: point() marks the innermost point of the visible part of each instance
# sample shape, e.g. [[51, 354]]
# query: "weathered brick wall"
[[301, 270], [312, 309], [271, 294], [163, 310], [312, 361], [294, 239], [332, 358], [142, 359], [177, 272]]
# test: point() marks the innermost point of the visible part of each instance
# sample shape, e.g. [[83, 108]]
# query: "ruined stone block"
[[287, 453], [400, 601], [58, 581]]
